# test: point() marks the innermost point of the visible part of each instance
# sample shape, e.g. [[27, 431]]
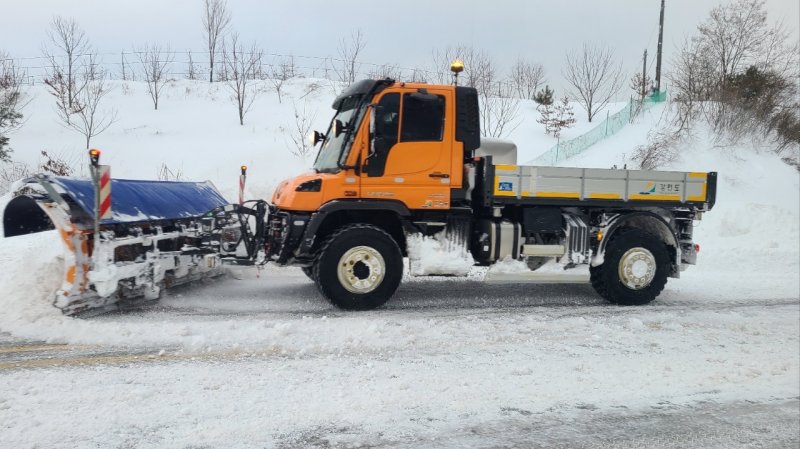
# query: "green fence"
[[608, 127]]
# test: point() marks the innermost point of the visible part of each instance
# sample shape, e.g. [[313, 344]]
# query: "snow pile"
[[754, 226], [509, 265], [437, 255], [32, 271]]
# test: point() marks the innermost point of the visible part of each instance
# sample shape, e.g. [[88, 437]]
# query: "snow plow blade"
[[157, 237]]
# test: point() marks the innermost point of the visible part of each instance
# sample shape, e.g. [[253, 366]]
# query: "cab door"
[[410, 149]]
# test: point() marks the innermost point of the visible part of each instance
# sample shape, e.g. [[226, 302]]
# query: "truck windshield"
[[336, 149]]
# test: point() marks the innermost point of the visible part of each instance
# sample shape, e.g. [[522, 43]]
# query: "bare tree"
[[299, 132], [479, 69], [166, 174], [474, 65], [740, 74], [526, 77], [595, 77], [242, 66], [419, 75], [11, 172], [660, 150], [90, 119], [216, 19], [499, 108], [499, 111], [733, 33], [734, 37], [780, 53], [92, 69], [346, 66], [128, 73], [693, 80], [155, 59], [56, 164], [386, 71], [68, 45], [191, 70], [278, 75], [123, 68], [11, 101], [57, 85]]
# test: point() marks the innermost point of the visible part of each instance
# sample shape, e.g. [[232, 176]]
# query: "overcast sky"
[[401, 32]]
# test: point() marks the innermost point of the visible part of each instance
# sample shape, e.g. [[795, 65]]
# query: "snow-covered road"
[[264, 362]]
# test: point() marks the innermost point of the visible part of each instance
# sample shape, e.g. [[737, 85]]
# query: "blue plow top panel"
[[140, 201]]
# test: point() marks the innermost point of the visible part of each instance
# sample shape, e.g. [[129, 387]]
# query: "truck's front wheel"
[[634, 270], [359, 267]]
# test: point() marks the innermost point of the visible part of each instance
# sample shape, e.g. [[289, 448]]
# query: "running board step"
[[543, 250], [536, 278]]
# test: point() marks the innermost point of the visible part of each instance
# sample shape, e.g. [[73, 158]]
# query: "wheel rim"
[[361, 269], [637, 268]]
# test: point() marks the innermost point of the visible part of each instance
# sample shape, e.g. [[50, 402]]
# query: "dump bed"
[[588, 186]]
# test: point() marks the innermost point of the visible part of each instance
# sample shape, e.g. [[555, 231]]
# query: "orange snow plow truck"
[[399, 162]]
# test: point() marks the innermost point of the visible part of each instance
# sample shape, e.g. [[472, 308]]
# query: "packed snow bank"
[[754, 226], [437, 255], [32, 270]]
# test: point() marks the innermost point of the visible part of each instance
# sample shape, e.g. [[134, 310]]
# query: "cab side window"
[[387, 124], [387, 117], [423, 118]]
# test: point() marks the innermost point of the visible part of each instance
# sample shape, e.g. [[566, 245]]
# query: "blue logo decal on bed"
[[505, 186]]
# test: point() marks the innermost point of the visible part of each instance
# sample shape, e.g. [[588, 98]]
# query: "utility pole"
[[644, 74], [660, 42]]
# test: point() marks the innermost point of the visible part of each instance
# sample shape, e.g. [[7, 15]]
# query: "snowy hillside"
[[196, 131]]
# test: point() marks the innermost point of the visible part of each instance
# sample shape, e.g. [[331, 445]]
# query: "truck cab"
[[389, 141]]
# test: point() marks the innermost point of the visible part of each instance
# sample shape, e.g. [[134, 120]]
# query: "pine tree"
[[564, 117], [641, 86], [545, 117], [544, 96], [9, 116], [556, 117]]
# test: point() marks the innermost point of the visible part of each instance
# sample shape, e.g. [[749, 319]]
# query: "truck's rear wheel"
[[308, 271], [359, 267], [634, 270]]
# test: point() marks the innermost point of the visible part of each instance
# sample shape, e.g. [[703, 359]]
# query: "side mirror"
[[338, 127], [315, 137]]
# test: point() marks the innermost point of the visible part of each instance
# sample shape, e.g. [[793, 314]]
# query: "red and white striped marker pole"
[[105, 191], [242, 179], [101, 176]]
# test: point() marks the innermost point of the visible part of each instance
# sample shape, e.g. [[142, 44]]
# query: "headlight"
[[315, 185]]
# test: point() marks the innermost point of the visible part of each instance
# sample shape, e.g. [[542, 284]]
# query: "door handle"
[[439, 175]]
